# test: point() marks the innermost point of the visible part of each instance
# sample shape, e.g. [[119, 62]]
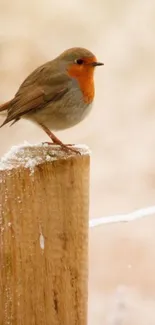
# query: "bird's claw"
[[65, 147]]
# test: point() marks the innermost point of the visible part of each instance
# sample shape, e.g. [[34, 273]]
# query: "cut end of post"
[[30, 155]]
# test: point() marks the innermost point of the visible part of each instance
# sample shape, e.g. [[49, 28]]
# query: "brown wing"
[[44, 85]]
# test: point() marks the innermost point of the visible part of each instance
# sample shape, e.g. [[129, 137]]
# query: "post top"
[[30, 155]]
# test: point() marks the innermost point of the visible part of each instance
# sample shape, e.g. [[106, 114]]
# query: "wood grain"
[[44, 239]]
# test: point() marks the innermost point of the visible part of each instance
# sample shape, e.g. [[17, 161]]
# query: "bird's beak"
[[95, 64]]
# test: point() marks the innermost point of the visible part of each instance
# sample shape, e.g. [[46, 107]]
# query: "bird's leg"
[[56, 140]]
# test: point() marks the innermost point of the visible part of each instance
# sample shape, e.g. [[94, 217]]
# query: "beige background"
[[120, 132]]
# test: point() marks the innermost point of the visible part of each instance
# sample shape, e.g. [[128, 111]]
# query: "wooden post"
[[44, 199]]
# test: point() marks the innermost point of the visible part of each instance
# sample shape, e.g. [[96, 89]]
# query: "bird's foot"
[[65, 147], [56, 141]]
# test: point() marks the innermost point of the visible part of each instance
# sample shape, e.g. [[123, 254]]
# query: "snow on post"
[[44, 203]]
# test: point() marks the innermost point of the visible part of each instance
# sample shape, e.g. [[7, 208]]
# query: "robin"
[[57, 95]]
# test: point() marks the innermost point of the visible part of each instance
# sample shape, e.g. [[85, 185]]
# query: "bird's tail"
[[4, 110], [5, 106]]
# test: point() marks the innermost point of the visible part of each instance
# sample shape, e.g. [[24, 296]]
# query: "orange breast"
[[84, 74]]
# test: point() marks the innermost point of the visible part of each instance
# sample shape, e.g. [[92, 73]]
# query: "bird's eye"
[[79, 61]]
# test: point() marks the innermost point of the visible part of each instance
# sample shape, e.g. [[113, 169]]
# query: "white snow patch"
[[137, 214], [42, 242], [84, 149], [20, 155]]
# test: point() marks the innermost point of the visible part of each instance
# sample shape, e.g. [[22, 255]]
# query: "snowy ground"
[[121, 280]]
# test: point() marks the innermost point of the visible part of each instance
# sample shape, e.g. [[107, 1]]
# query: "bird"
[[57, 95]]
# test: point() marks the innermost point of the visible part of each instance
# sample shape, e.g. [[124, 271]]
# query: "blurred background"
[[120, 132]]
